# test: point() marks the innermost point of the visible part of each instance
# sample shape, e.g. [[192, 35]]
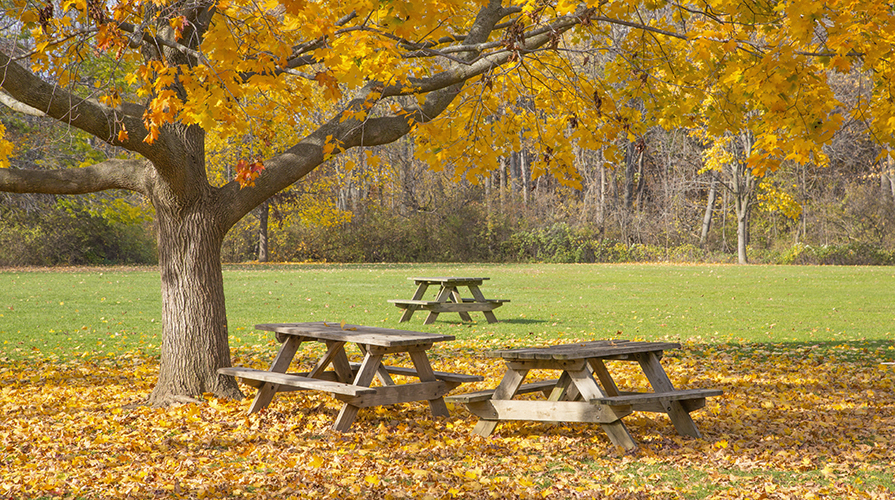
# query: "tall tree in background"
[[340, 75]]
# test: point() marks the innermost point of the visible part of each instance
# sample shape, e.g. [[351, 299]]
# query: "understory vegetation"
[[352, 209]]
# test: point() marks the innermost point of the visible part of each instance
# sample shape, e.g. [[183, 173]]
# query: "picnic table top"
[[583, 350], [368, 335], [448, 279]]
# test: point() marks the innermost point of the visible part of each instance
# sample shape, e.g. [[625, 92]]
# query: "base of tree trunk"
[[161, 398]]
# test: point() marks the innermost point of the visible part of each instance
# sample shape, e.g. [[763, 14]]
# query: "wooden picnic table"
[[585, 390], [351, 382], [448, 299]]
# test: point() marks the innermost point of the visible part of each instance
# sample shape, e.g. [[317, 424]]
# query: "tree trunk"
[[709, 208], [194, 318], [263, 213], [742, 209]]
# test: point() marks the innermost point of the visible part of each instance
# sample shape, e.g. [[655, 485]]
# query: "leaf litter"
[[792, 423]]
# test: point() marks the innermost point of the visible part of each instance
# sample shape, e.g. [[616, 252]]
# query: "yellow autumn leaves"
[[794, 422]]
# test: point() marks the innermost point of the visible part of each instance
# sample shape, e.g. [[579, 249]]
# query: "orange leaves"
[[246, 172], [329, 84], [794, 422], [162, 109]]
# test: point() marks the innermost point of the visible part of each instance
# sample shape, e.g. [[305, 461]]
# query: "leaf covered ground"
[[795, 421]]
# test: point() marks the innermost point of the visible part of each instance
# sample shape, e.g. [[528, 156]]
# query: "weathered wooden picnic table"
[[585, 390], [351, 382], [448, 299]]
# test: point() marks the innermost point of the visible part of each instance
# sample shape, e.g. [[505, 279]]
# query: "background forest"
[[674, 196]]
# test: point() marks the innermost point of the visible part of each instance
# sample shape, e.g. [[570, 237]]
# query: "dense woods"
[[654, 207]]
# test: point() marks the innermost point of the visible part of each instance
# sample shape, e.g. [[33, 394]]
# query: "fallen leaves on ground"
[[792, 423]]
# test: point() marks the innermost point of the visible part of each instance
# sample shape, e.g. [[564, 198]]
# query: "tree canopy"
[[294, 83]]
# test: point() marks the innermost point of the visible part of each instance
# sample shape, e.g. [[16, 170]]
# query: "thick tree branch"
[[88, 115], [298, 161], [132, 175]]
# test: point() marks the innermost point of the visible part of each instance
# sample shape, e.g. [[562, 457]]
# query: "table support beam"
[[280, 364], [660, 382]]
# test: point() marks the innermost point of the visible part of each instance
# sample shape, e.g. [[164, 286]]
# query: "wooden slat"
[[547, 411], [660, 382], [472, 397], [411, 302], [297, 381], [648, 397], [596, 349], [461, 378], [325, 330], [403, 393], [449, 280], [449, 307]]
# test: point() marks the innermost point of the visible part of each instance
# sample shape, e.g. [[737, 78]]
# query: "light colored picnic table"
[[585, 390], [448, 299], [351, 382]]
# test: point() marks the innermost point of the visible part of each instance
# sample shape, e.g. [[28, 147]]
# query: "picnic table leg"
[[657, 377], [418, 295], [455, 294], [335, 355], [280, 364], [381, 373], [365, 375], [510, 383], [425, 373], [442, 297], [564, 390], [602, 374], [587, 386], [479, 297]]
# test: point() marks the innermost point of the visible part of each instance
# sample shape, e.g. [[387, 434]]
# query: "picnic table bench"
[[351, 382], [448, 299], [585, 390]]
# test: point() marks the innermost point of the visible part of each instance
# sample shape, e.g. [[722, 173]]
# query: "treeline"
[[651, 204]]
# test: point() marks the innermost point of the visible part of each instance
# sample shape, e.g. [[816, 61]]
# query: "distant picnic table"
[[449, 299], [351, 382], [585, 390]]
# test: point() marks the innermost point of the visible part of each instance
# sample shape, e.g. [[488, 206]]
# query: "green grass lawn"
[[806, 412], [63, 313]]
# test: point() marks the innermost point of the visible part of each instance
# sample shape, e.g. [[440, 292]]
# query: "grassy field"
[[64, 313], [807, 412]]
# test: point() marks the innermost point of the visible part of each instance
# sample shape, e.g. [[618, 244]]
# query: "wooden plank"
[[460, 378], [332, 350], [547, 364], [401, 393], [648, 397], [660, 382], [471, 397], [462, 308], [325, 330], [599, 369], [455, 281], [508, 386], [455, 297], [442, 296], [280, 364], [547, 411], [412, 302], [297, 381], [561, 389], [364, 378], [597, 349], [417, 295], [477, 294], [424, 369]]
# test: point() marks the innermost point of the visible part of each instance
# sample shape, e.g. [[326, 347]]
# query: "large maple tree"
[[297, 82]]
